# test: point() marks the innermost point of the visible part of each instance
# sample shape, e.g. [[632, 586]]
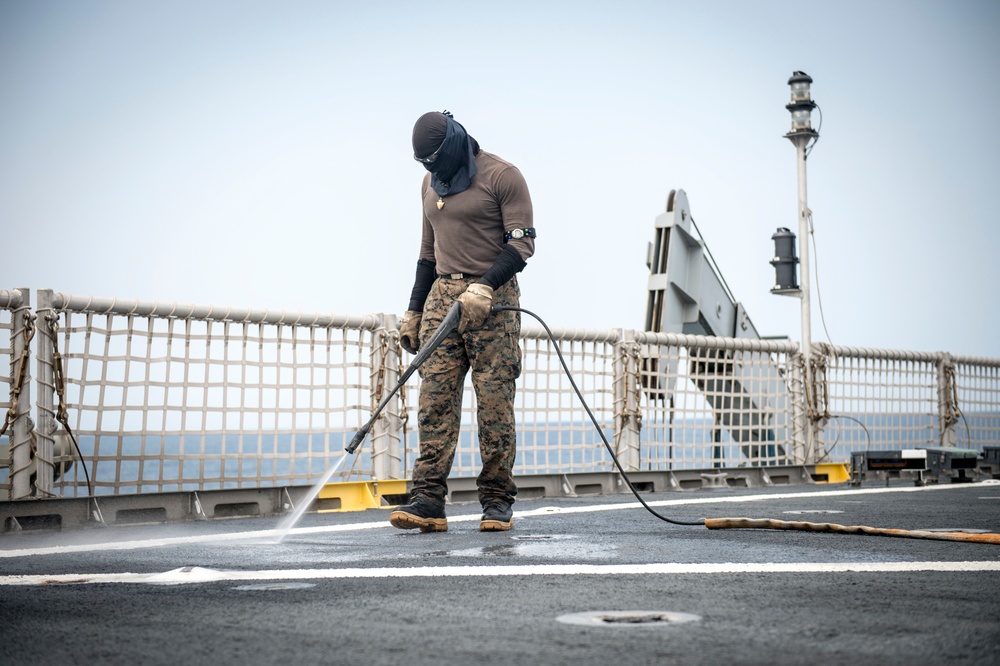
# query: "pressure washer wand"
[[448, 324]]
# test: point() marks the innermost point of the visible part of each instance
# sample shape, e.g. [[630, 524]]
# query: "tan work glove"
[[476, 301], [409, 331]]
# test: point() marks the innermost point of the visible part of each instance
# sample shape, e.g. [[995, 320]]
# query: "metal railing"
[[877, 399], [163, 397]]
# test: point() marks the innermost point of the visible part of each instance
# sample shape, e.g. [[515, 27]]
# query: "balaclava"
[[454, 164]]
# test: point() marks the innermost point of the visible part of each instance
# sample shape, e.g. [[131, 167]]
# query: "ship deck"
[[584, 580]]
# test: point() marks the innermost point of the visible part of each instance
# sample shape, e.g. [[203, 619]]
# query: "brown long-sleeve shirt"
[[466, 234]]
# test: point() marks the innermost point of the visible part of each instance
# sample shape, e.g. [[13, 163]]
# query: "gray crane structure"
[[688, 295]]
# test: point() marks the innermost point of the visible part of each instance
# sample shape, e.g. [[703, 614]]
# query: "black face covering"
[[454, 165]]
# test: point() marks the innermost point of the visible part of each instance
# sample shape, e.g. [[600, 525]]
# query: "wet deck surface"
[[589, 580]]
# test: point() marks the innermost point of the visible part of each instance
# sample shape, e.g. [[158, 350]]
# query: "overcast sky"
[[258, 153]]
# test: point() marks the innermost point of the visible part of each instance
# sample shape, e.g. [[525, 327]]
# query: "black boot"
[[420, 512], [497, 517]]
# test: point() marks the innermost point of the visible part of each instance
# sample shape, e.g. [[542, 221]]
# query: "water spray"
[[449, 324]]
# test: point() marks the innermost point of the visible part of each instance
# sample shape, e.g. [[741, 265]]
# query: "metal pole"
[[801, 107], [800, 142], [47, 424], [947, 410], [386, 449], [626, 434]]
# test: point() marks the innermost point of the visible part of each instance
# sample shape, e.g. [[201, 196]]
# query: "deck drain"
[[627, 618], [276, 586]]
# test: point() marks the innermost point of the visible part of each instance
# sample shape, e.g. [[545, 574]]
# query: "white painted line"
[[190, 575], [273, 535]]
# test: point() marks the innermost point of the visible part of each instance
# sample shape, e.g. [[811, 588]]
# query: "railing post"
[[20, 430], [45, 451], [818, 411], [948, 413], [386, 450], [627, 415], [800, 410]]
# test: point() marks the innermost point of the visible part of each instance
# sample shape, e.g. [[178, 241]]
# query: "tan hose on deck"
[[768, 524]]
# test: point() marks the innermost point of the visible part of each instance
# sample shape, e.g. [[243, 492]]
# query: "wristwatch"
[[518, 233]]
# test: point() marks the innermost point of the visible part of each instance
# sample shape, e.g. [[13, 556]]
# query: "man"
[[477, 234]]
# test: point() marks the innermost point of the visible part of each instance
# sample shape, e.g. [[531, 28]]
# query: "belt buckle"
[[457, 276]]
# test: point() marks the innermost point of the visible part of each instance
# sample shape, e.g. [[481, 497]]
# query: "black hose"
[[597, 426], [449, 324]]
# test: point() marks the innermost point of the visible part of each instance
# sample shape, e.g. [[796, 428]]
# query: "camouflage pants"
[[494, 355]]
